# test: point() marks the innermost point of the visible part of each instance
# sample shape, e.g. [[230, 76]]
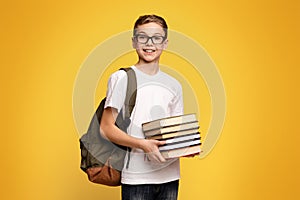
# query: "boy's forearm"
[[114, 134], [109, 130]]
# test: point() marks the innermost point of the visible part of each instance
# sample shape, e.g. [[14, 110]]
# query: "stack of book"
[[181, 134]]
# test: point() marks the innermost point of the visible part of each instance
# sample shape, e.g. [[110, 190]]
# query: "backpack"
[[101, 159]]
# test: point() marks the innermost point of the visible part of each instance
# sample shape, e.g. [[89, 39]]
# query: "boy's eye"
[[157, 38], [142, 37]]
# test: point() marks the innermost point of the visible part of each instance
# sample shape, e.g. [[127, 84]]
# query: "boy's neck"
[[148, 68]]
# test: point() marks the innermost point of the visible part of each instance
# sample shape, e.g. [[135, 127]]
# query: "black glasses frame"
[[150, 38]]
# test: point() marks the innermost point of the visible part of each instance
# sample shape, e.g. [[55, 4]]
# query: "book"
[[175, 153], [174, 134], [169, 121], [179, 145], [183, 138], [180, 133], [171, 129]]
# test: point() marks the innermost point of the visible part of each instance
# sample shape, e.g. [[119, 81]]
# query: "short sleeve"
[[116, 90]]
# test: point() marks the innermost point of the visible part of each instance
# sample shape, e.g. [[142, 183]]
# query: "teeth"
[[149, 50]]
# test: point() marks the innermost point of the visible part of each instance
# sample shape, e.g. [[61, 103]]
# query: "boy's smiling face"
[[149, 41]]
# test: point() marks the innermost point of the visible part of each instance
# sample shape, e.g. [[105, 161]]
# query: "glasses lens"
[[157, 39], [142, 38]]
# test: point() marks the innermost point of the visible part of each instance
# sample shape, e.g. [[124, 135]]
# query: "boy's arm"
[[110, 131]]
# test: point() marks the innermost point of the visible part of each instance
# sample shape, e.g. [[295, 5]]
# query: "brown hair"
[[145, 19]]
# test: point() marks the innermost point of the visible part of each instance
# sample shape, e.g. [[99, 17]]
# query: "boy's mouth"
[[149, 50]]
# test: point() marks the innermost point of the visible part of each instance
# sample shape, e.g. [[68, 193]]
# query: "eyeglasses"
[[143, 39]]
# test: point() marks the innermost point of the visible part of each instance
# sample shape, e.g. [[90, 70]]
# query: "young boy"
[[148, 175]]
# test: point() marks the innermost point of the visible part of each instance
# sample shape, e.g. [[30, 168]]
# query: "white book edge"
[[174, 134], [183, 138], [179, 145]]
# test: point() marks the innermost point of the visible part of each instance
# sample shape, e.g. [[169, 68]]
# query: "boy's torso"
[[156, 98]]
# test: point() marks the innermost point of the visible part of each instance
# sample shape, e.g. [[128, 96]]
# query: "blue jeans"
[[164, 191]]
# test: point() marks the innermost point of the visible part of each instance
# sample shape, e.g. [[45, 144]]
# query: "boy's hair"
[[145, 19]]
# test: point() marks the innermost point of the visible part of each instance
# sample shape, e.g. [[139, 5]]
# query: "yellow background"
[[255, 45]]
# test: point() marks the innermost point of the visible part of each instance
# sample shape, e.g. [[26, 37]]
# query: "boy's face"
[[149, 41]]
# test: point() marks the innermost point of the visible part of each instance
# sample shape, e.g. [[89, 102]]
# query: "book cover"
[[171, 129], [169, 121], [175, 153]]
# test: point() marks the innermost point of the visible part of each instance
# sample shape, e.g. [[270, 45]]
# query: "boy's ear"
[[165, 44], [133, 42]]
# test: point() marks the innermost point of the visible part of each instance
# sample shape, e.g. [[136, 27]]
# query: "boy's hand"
[[150, 147], [192, 155]]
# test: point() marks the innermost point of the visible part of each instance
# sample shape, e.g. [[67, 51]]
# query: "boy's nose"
[[149, 42]]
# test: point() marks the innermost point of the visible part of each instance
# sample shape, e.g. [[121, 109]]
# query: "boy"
[[148, 176]]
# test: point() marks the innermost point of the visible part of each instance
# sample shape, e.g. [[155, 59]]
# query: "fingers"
[[192, 155], [161, 158], [159, 143], [153, 151], [155, 156]]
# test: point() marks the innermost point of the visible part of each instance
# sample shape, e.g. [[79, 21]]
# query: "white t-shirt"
[[158, 96]]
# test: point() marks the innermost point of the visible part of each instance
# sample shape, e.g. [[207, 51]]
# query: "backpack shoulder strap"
[[130, 92], [129, 100]]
